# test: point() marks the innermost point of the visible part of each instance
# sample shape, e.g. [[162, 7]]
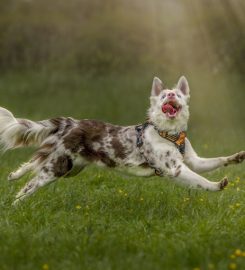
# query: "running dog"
[[157, 147]]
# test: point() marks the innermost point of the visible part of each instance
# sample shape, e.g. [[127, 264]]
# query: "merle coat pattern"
[[67, 145]]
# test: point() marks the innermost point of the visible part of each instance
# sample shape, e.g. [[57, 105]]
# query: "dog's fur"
[[67, 145]]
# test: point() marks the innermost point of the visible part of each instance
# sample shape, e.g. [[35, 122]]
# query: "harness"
[[178, 139]]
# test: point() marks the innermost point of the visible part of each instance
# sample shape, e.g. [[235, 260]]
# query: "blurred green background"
[[96, 59]]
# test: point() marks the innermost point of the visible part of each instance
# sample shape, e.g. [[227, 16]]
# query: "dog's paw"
[[12, 176], [223, 183], [236, 158]]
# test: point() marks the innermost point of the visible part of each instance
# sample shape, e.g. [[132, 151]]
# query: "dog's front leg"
[[178, 171], [188, 177], [182, 174], [199, 164]]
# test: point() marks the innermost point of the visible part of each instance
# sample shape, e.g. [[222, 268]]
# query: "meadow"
[[101, 219]]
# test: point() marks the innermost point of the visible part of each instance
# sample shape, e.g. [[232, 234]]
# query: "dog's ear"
[[157, 87], [183, 86]]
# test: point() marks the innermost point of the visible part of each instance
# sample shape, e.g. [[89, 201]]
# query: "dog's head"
[[169, 109]]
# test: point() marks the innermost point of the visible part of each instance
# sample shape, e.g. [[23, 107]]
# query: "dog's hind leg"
[[22, 170], [42, 179], [51, 170], [200, 165]]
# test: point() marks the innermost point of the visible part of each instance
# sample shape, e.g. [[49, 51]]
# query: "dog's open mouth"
[[171, 109]]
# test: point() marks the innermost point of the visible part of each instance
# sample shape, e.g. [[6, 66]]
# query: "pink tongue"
[[168, 108]]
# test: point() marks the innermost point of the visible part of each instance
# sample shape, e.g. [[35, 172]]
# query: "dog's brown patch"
[[173, 162], [177, 173], [62, 165], [144, 165], [44, 152], [118, 148], [223, 183], [82, 136]]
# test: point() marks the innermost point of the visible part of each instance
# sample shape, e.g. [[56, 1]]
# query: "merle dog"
[[159, 146]]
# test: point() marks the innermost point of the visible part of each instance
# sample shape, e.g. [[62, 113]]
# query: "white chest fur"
[[159, 145]]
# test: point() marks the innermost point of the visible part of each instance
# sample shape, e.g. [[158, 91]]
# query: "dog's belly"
[[137, 170]]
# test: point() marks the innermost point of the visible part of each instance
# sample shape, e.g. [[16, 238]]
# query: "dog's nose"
[[171, 95]]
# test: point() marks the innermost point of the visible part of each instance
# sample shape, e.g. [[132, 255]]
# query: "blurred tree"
[[109, 35]]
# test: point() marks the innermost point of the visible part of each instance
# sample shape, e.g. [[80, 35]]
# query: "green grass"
[[105, 220]]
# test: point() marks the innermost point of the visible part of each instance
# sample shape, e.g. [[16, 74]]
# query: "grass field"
[[105, 220]]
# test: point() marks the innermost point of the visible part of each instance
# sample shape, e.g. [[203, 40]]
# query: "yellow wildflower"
[[238, 252], [237, 180], [205, 146], [141, 199], [78, 206], [237, 204], [125, 194], [120, 191], [232, 266], [45, 266]]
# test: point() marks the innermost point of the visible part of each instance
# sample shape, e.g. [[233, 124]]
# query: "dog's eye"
[[163, 96], [178, 95]]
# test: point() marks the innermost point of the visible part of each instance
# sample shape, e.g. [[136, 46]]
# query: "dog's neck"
[[171, 126]]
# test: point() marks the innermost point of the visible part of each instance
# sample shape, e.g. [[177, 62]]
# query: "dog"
[[157, 147]]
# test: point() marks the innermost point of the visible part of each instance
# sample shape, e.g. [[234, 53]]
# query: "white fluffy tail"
[[22, 132]]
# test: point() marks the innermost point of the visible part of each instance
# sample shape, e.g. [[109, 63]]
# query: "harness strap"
[[178, 139], [140, 130]]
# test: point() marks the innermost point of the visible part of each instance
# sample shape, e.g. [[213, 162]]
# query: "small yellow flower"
[[243, 254], [237, 189], [78, 206], [201, 199], [237, 205], [120, 191], [237, 180], [232, 266], [232, 256], [238, 252], [141, 199], [125, 194], [232, 185], [45, 266], [186, 199]]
